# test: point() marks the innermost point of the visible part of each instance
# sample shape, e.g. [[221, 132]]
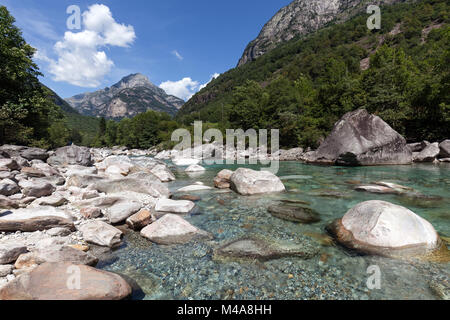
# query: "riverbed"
[[190, 272]]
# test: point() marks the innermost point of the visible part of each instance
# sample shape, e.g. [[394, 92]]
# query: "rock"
[[291, 155], [262, 249], [162, 173], [27, 261], [429, 154], [91, 213], [139, 220], [101, 233], [444, 148], [64, 253], [36, 188], [8, 187], [382, 228], [222, 180], [7, 203], [181, 162], [249, 182], [49, 281], [152, 188], [49, 171], [172, 229], [377, 189], [360, 138], [35, 219], [58, 232], [294, 213], [89, 194], [80, 170], [116, 171], [446, 160], [10, 251], [54, 200], [71, 155], [34, 153], [32, 172], [8, 164], [82, 181], [117, 209], [8, 175], [174, 206], [5, 270], [440, 289], [194, 188], [195, 168], [418, 146]]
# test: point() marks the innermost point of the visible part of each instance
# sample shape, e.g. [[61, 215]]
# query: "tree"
[[25, 111]]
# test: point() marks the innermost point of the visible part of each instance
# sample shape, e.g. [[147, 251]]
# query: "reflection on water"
[[189, 272]]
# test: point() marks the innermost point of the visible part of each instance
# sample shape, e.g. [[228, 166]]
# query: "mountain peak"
[[130, 96], [133, 81]]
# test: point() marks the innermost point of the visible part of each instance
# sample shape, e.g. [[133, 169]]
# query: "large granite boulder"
[[429, 154], [249, 182], [35, 219], [34, 154], [174, 206], [71, 155], [66, 281], [382, 228], [153, 188], [360, 138], [172, 229], [444, 149]]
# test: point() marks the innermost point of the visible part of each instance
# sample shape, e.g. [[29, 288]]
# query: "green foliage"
[[25, 111], [304, 86], [144, 131]]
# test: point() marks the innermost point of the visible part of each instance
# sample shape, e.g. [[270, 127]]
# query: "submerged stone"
[[255, 248], [294, 213]]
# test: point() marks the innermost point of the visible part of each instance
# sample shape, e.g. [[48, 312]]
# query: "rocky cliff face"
[[303, 17], [132, 95]]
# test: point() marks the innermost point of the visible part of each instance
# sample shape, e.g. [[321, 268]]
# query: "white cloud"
[[177, 55], [184, 88], [80, 60]]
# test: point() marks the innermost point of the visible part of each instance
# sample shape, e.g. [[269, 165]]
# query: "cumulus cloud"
[[177, 55], [80, 58], [184, 88]]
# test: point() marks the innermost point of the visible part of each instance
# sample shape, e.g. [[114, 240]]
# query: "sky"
[[180, 45]]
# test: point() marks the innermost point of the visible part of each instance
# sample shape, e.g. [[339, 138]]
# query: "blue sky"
[[176, 42]]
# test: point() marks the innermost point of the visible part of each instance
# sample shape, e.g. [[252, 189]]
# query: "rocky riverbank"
[[69, 207]]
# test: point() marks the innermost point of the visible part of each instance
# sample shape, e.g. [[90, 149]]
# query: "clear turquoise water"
[[189, 272]]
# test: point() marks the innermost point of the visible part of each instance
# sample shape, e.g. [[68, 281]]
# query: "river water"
[[190, 272]]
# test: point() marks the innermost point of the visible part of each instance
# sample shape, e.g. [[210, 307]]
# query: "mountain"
[[302, 17], [132, 95], [304, 85]]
